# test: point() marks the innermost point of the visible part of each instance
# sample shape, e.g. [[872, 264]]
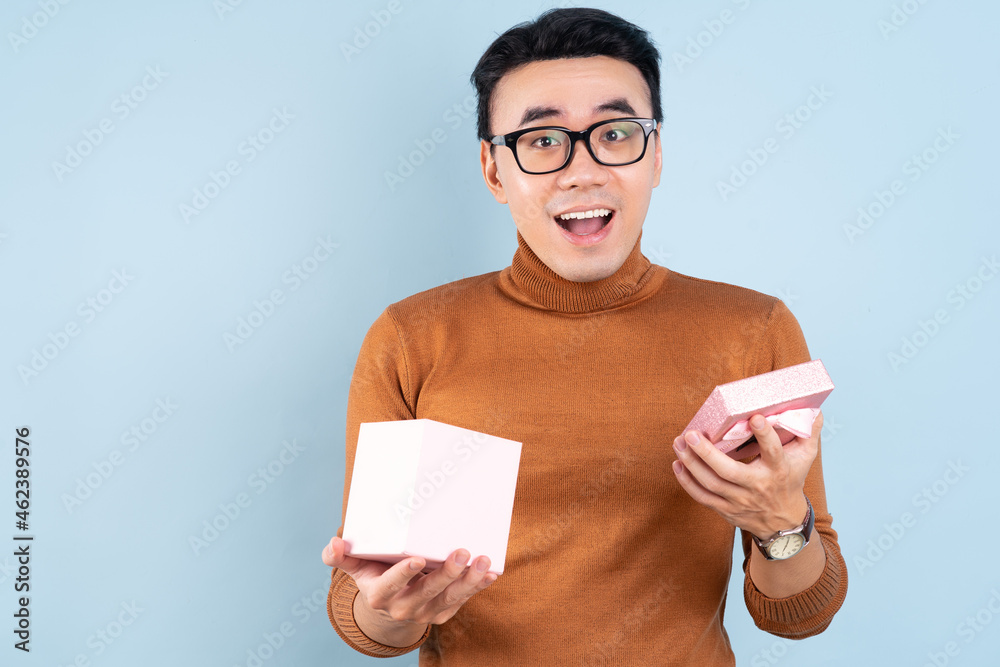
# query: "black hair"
[[575, 32]]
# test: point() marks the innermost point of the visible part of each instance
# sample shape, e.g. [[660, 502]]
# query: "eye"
[[615, 134], [546, 141]]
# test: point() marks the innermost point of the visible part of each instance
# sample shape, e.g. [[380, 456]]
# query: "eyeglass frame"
[[510, 141]]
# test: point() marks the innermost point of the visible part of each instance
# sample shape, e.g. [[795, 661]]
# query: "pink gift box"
[[424, 488], [776, 395]]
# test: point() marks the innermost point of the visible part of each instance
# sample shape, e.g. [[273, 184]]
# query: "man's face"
[[573, 93]]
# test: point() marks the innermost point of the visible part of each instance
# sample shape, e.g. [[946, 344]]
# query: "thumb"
[[818, 425], [334, 555]]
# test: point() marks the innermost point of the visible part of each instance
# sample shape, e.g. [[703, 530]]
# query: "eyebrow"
[[619, 104]]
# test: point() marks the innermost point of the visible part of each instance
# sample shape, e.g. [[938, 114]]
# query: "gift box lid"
[[804, 385]]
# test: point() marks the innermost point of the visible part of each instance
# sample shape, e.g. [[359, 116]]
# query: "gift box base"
[[424, 488]]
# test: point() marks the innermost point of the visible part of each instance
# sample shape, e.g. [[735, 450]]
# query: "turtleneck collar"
[[534, 283]]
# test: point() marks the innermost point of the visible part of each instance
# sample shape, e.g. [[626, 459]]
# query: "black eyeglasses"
[[613, 143]]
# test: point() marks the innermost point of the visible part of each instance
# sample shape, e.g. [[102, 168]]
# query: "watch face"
[[786, 546]]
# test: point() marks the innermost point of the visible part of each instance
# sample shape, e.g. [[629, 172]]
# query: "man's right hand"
[[396, 602]]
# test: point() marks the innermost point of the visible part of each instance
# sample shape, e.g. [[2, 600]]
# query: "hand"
[[763, 496], [400, 598]]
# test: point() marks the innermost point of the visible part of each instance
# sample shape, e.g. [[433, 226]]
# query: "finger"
[[476, 578], [694, 489], [817, 426], [771, 453], [714, 470], [327, 555], [360, 569], [393, 581], [805, 449], [335, 555], [453, 567], [431, 584]]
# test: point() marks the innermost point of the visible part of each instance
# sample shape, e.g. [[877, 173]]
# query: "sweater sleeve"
[[380, 391], [808, 613]]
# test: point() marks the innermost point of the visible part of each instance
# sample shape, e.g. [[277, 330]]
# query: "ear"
[[658, 155], [491, 173]]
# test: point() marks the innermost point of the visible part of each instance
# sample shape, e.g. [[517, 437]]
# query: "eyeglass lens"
[[614, 143]]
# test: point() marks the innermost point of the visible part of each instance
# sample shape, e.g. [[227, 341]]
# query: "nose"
[[582, 169]]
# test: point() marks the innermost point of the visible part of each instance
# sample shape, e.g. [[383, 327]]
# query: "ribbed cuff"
[[807, 613], [340, 609]]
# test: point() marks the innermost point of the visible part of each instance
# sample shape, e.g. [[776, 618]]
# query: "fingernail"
[[414, 565], [490, 578], [757, 422], [691, 437], [482, 564], [461, 559]]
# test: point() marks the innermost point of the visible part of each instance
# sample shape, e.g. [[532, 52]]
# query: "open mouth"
[[585, 223]]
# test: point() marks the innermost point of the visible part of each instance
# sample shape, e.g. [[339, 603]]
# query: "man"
[[595, 359]]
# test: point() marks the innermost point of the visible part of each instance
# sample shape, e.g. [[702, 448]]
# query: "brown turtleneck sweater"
[[609, 560]]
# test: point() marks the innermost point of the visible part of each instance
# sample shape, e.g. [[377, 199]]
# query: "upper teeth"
[[595, 213]]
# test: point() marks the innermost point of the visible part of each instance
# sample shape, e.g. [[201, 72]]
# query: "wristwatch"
[[787, 543]]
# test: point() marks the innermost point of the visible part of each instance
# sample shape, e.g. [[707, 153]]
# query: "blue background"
[[169, 327]]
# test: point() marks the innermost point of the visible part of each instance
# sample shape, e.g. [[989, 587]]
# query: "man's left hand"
[[762, 496]]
